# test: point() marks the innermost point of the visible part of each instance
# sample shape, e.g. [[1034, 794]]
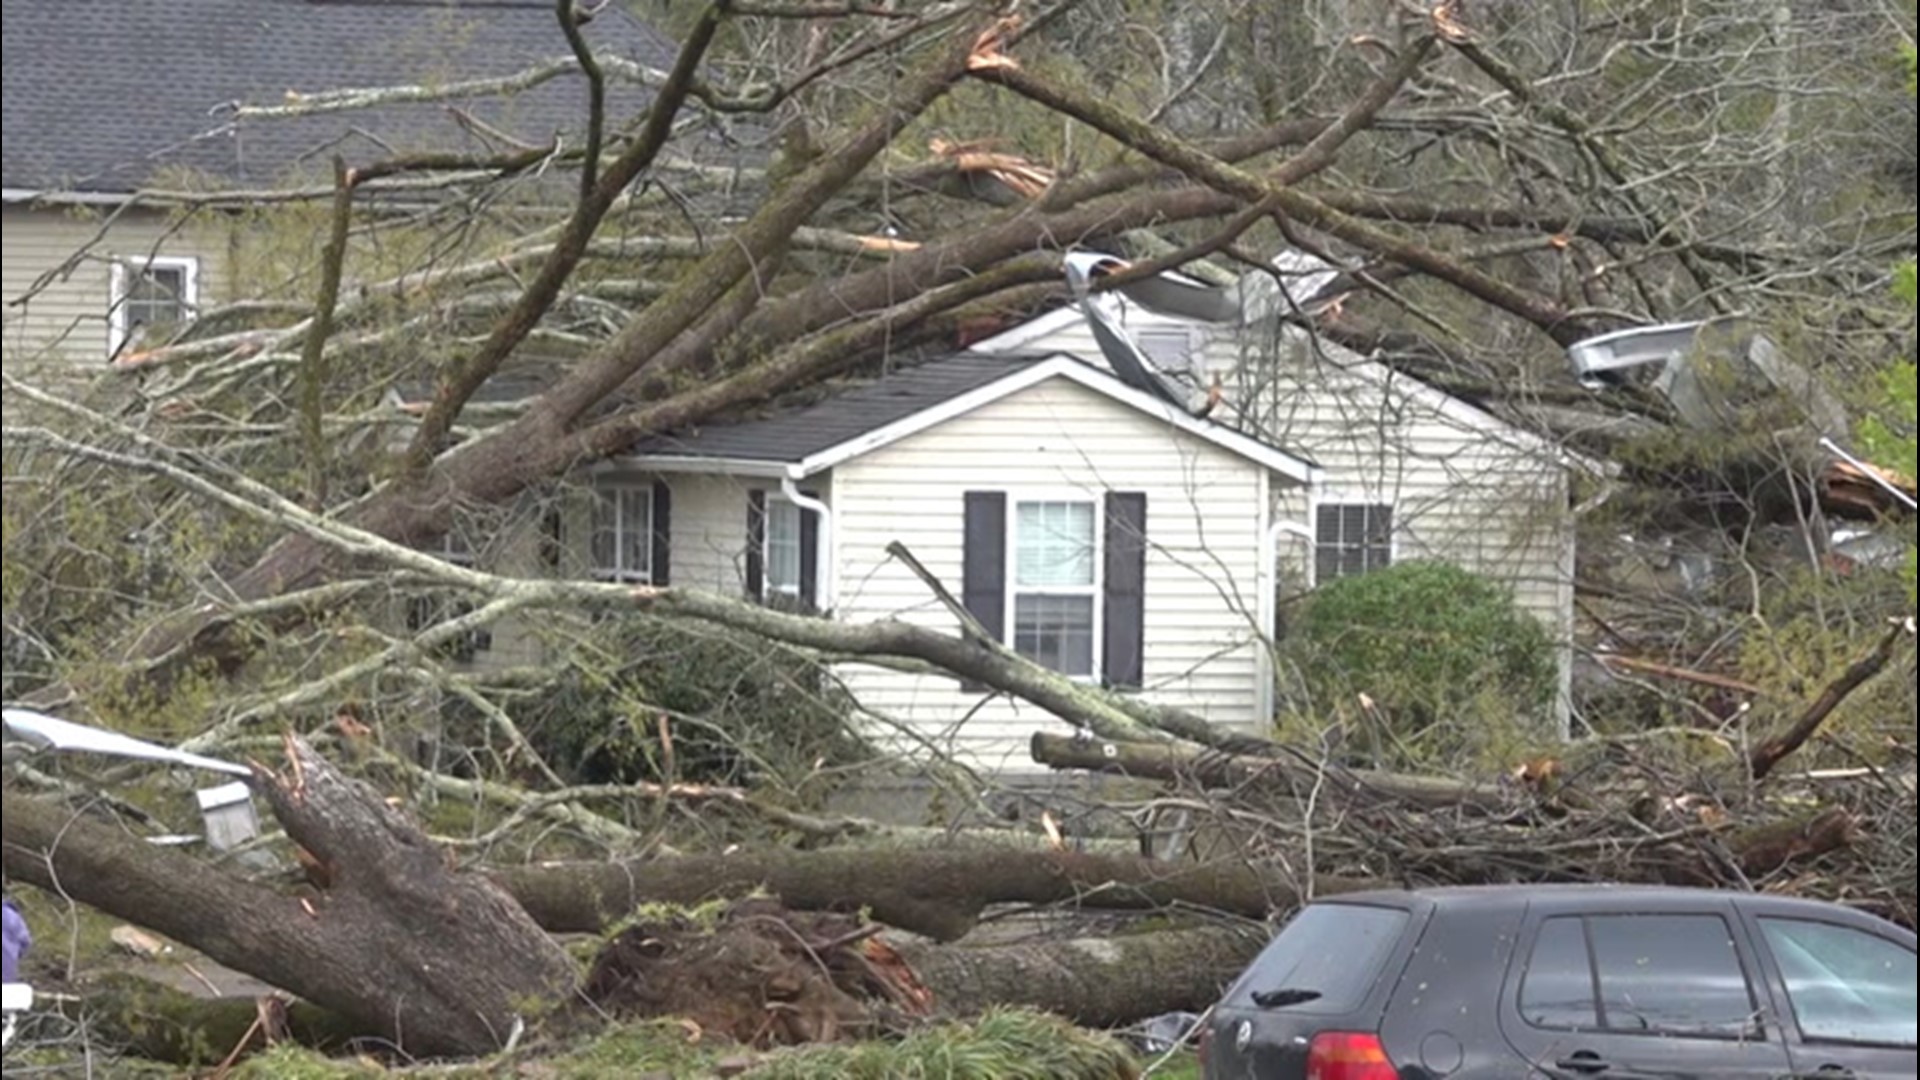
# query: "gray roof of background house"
[[792, 432], [99, 95]]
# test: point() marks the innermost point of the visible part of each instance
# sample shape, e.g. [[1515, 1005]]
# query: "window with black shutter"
[[1061, 581], [783, 552]]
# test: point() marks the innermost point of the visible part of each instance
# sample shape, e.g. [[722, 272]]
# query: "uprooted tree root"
[[758, 974]]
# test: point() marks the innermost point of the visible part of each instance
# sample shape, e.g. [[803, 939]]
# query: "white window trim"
[[1336, 502], [768, 589], [1097, 589], [117, 329], [612, 492]]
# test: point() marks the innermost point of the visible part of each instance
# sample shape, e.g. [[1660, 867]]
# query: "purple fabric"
[[13, 929]]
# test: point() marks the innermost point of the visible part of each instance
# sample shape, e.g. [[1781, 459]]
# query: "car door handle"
[[1584, 1061]]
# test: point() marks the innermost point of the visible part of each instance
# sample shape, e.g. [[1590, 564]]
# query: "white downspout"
[[1269, 585], [823, 542]]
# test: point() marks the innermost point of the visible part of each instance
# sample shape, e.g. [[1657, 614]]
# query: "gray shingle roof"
[[100, 95], [791, 433]]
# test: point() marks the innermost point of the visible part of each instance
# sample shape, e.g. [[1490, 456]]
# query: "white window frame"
[[779, 508], [123, 269], [614, 495], [1328, 503], [1096, 589]]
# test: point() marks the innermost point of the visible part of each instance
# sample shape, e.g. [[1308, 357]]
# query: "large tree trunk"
[[936, 893], [440, 962], [1098, 982], [1172, 762]]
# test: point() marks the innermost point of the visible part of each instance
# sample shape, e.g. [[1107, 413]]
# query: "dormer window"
[[1170, 349]]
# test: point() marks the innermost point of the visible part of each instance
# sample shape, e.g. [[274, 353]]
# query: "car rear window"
[[1334, 950]]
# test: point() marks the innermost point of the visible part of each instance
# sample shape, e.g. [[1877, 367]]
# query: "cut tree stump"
[[440, 962]]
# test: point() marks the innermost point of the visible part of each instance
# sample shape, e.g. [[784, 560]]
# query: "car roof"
[[1569, 896]]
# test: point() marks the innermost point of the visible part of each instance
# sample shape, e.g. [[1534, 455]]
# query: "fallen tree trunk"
[[1172, 762], [436, 961], [1097, 982], [939, 894], [765, 975], [160, 1023]]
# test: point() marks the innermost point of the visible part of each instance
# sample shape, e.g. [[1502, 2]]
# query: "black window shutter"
[[1123, 641], [983, 564], [662, 532], [756, 543], [553, 540], [810, 557]]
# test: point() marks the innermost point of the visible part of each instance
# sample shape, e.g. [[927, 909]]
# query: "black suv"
[[1570, 982]]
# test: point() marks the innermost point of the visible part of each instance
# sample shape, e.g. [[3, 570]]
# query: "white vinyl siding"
[[1464, 487], [66, 317], [1056, 441]]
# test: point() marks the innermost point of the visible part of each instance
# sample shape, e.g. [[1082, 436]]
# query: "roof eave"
[[14, 196], [1296, 468], [690, 463]]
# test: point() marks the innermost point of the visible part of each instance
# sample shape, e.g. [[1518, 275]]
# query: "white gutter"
[[768, 470], [823, 540], [62, 198]]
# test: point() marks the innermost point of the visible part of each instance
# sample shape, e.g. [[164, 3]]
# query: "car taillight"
[[1347, 1055]]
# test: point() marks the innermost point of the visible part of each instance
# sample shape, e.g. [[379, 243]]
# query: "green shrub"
[[1446, 659]]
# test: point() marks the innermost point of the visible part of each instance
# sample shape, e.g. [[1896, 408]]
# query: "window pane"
[[1677, 974], [783, 547], [636, 529], [622, 545], [1054, 544], [155, 296], [1558, 988], [606, 533], [1352, 539], [1335, 950], [1845, 984], [1055, 632]]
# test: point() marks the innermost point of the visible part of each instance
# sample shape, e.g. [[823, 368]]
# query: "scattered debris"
[[139, 943]]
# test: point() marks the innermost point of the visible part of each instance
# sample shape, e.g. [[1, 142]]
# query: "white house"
[[1097, 529], [1407, 470], [106, 100]]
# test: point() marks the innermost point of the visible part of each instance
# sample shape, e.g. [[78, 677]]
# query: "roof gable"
[[100, 95], [817, 437], [1455, 409]]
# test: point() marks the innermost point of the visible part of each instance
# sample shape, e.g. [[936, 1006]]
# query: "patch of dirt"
[[760, 975]]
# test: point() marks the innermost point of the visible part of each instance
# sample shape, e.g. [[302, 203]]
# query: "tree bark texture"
[[1098, 982], [1172, 762], [939, 894], [440, 962]]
